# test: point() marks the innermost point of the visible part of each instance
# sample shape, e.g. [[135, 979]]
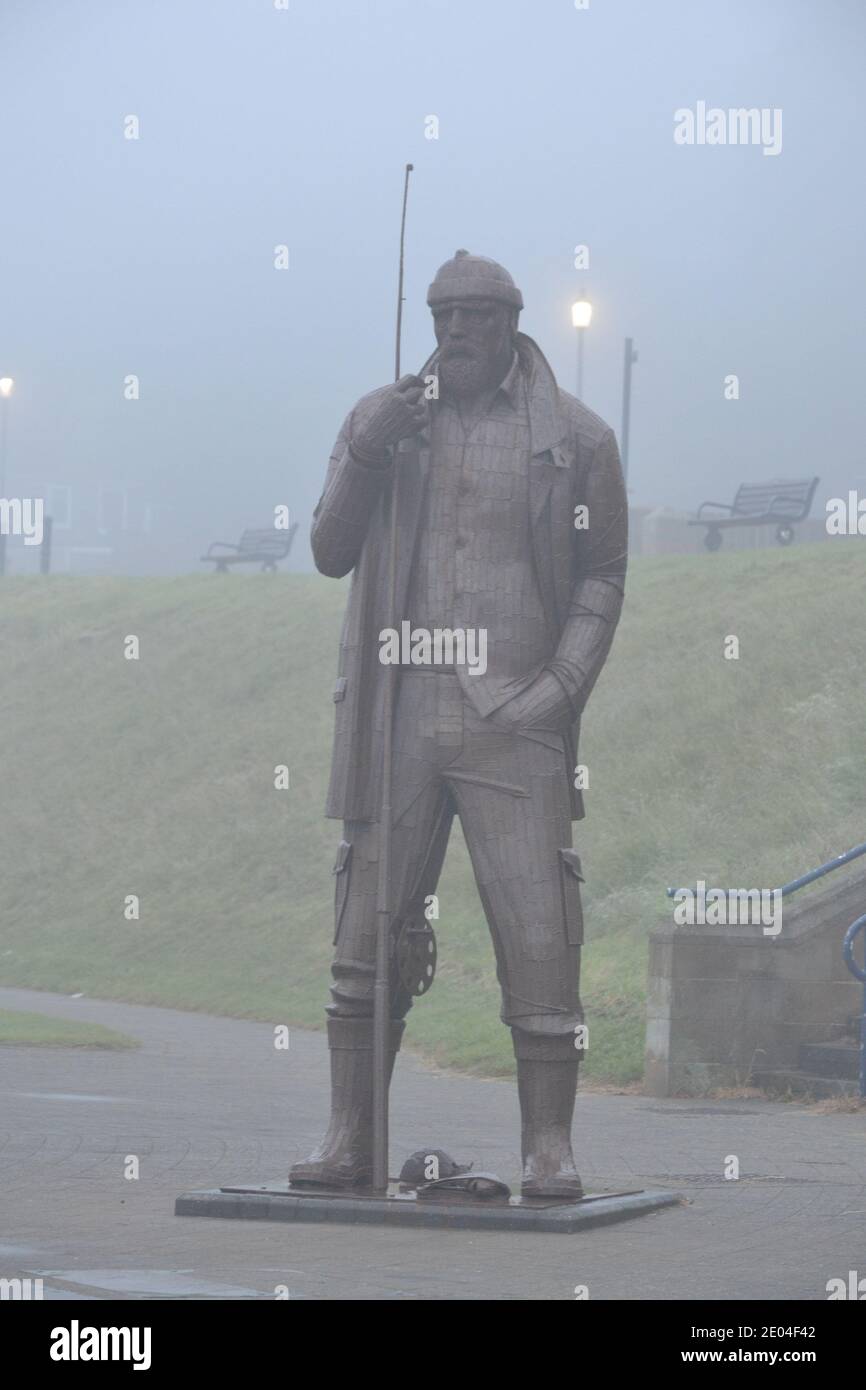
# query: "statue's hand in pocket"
[[543, 705]]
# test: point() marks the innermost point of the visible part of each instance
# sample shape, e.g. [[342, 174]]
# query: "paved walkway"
[[206, 1101]]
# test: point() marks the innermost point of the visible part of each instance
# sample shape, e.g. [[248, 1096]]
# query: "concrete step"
[[839, 1060], [790, 1081]]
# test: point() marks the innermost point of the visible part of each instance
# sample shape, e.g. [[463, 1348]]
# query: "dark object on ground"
[[466, 1187], [266, 547], [417, 1169], [761, 504]]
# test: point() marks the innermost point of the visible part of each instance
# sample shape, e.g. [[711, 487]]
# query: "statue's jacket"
[[574, 464]]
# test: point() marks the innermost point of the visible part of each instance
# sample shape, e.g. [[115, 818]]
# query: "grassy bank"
[[155, 778], [37, 1030]]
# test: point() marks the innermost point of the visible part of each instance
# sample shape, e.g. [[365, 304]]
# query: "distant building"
[[102, 529]]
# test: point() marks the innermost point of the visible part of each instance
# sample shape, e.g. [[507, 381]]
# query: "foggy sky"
[[261, 127]]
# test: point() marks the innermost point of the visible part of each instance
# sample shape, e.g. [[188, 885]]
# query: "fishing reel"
[[415, 955]]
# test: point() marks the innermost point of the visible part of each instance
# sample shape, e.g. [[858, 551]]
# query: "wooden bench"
[[254, 547], [781, 500]]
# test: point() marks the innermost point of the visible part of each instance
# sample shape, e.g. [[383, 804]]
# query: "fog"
[[261, 127]]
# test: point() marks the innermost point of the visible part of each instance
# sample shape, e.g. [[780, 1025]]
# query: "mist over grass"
[[20, 1028], [155, 777]]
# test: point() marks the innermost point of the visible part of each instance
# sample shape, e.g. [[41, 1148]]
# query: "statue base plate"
[[280, 1202]]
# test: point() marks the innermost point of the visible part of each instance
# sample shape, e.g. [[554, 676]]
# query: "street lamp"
[[581, 318], [6, 385], [628, 361]]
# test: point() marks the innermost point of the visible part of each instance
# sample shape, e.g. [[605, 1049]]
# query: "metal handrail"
[[859, 973], [796, 883]]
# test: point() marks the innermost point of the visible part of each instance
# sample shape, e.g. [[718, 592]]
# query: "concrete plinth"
[[279, 1202]]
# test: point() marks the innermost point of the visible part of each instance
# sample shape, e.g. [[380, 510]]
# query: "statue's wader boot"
[[344, 1158], [547, 1091]]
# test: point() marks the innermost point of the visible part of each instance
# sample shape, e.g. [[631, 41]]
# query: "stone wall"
[[722, 1000]]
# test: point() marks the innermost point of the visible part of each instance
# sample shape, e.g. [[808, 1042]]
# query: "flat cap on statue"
[[473, 277]]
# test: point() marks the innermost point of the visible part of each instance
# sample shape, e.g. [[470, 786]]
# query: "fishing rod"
[[384, 908]]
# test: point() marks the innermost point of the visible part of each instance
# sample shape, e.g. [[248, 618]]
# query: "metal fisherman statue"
[[511, 523]]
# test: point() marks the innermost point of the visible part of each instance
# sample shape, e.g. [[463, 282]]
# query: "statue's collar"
[[547, 427]]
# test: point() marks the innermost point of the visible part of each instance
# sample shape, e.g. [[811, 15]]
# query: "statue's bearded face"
[[476, 342]]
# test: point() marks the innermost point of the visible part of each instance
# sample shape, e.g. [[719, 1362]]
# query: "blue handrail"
[[859, 972], [796, 883]]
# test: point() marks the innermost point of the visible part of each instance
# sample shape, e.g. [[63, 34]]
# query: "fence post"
[[45, 547]]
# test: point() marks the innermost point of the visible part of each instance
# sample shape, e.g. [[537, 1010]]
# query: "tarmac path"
[[206, 1101]]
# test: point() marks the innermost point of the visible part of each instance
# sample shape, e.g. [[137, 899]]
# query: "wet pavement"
[[207, 1101]]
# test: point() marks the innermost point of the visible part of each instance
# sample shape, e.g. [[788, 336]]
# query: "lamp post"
[[6, 385], [581, 318], [628, 361]]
